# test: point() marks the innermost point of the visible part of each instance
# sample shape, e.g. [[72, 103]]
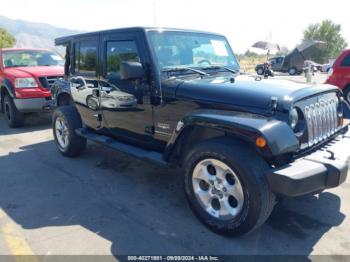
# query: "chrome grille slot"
[[321, 119], [48, 81]]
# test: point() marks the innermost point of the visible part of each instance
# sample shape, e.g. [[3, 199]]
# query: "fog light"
[[260, 142]]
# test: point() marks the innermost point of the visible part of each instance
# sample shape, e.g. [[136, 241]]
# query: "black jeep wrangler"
[[176, 97]]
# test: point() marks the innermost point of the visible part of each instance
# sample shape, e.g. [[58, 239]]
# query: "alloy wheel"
[[217, 189], [61, 131]]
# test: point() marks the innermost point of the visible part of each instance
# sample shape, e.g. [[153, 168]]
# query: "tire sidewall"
[[249, 214], [8, 103]]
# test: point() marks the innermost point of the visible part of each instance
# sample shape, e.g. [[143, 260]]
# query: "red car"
[[26, 76], [339, 74]]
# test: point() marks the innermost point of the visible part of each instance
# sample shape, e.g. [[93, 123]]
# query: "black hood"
[[246, 91]]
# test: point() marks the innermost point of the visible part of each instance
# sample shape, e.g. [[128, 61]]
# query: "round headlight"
[[293, 118]]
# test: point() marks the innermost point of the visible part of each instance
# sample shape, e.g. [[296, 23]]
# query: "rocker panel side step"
[[137, 152]]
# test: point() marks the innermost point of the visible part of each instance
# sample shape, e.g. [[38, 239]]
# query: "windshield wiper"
[[220, 67], [175, 69], [17, 66]]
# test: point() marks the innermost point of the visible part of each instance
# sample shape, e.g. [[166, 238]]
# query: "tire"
[[292, 71], [13, 117], [260, 71], [65, 121], [248, 175], [91, 103]]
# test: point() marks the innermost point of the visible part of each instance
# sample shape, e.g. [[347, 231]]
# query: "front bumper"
[[33, 104], [325, 168]]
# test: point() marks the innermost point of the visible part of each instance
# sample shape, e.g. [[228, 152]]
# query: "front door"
[[125, 104]]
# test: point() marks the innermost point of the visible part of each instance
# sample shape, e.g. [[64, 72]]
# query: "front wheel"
[[13, 117], [292, 71], [260, 71], [226, 187], [65, 121]]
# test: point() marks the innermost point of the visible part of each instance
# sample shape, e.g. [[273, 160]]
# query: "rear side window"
[[117, 52], [346, 61], [86, 57]]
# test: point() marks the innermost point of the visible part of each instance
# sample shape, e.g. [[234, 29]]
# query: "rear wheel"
[[13, 117], [66, 120], [226, 187]]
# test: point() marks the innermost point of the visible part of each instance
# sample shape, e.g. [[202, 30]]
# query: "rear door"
[[84, 84]]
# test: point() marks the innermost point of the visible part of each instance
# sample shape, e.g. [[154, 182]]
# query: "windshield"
[[188, 49], [18, 58]]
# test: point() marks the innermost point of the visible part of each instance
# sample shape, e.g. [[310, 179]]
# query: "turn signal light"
[[341, 121], [260, 142]]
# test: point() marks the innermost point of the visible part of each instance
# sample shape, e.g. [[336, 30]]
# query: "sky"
[[243, 22]]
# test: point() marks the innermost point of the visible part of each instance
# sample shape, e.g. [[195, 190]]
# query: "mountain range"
[[34, 35]]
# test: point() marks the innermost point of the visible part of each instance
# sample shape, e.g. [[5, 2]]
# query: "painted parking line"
[[15, 241]]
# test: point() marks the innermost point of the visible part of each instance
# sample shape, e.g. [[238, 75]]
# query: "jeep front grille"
[[321, 119], [48, 81]]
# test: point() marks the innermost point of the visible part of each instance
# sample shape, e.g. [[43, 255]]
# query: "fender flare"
[[7, 84], [60, 87], [247, 126]]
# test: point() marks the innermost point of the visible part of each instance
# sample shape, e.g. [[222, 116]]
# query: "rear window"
[[86, 57], [346, 61]]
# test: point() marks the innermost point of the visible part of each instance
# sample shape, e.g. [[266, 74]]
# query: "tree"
[[6, 39], [330, 33], [283, 51], [249, 53]]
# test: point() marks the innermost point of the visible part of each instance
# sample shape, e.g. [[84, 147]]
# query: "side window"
[[86, 57], [117, 52], [346, 61]]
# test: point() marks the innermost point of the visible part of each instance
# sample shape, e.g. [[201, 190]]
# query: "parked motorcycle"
[[267, 70]]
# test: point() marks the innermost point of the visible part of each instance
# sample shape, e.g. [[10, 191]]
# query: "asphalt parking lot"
[[107, 203]]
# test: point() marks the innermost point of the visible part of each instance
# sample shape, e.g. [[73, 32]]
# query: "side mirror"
[[131, 70]]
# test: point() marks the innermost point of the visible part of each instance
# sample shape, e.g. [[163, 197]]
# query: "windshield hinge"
[[274, 104]]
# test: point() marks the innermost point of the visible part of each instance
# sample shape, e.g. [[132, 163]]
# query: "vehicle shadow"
[[33, 122], [139, 208]]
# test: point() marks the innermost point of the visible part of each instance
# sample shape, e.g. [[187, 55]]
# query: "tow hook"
[[332, 155]]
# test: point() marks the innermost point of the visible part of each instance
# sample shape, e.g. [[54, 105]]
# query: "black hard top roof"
[[66, 39]]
